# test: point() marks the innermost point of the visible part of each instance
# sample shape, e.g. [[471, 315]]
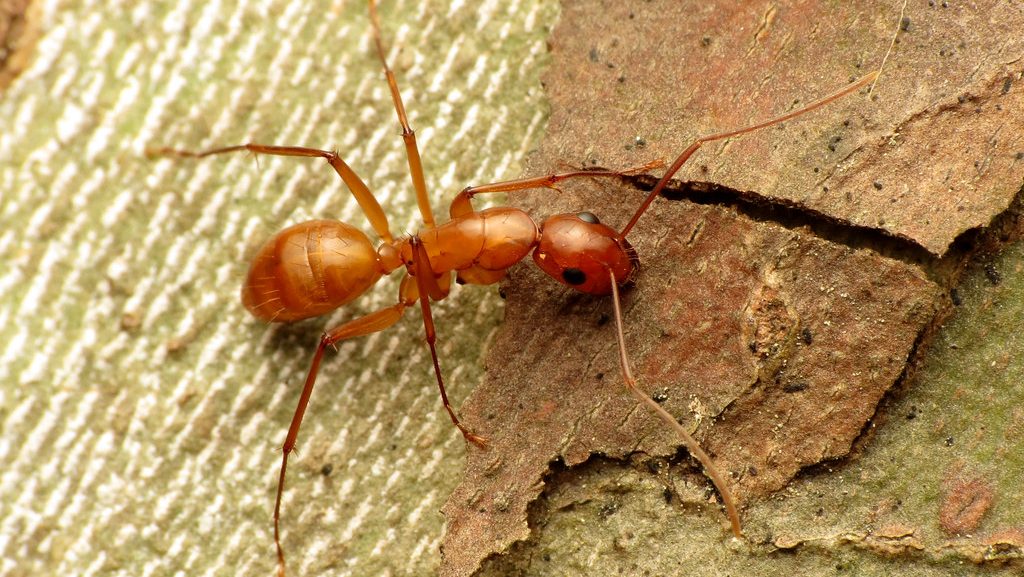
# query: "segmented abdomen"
[[308, 270]]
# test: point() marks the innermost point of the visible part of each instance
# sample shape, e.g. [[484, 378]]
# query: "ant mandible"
[[317, 266]]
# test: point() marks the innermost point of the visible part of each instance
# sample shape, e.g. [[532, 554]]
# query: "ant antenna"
[[691, 444], [892, 43], [681, 160]]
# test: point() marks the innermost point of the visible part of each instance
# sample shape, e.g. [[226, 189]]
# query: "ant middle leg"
[[425, 288]]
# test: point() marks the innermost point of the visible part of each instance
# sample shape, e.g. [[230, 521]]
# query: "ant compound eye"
[[588, 217], [574, 276]]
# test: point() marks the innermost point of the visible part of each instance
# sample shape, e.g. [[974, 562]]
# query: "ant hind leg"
[[367, 201], [371, 323], [408, 135]]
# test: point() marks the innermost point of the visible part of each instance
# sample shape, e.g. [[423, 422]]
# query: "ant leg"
[[691, 444], [408, 135], [461, 205], [681, 160], [371, 323], [368, 202], [426, 288]]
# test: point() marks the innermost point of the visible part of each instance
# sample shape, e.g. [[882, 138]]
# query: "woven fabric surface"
[[141, 407]]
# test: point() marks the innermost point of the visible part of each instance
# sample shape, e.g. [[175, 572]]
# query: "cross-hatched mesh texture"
[[141, 408]]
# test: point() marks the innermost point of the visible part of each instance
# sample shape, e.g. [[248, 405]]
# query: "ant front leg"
[[367, 201], [462, 206]]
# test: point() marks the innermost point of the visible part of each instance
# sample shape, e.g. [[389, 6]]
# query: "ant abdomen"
[[310, 269]]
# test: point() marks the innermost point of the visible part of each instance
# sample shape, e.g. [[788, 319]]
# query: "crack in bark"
[[793, 216]]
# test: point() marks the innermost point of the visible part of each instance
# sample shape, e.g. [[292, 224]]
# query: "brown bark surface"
[[771, 339]]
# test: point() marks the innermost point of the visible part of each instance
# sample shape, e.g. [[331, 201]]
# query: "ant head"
[[576, 249]]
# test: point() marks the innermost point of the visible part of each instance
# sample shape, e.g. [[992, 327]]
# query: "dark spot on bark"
[[806, 336], [993, 275]]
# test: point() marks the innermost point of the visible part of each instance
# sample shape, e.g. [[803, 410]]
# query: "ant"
[[315, 267]]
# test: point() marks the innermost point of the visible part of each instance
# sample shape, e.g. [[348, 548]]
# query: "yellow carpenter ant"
[[314, 267]]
